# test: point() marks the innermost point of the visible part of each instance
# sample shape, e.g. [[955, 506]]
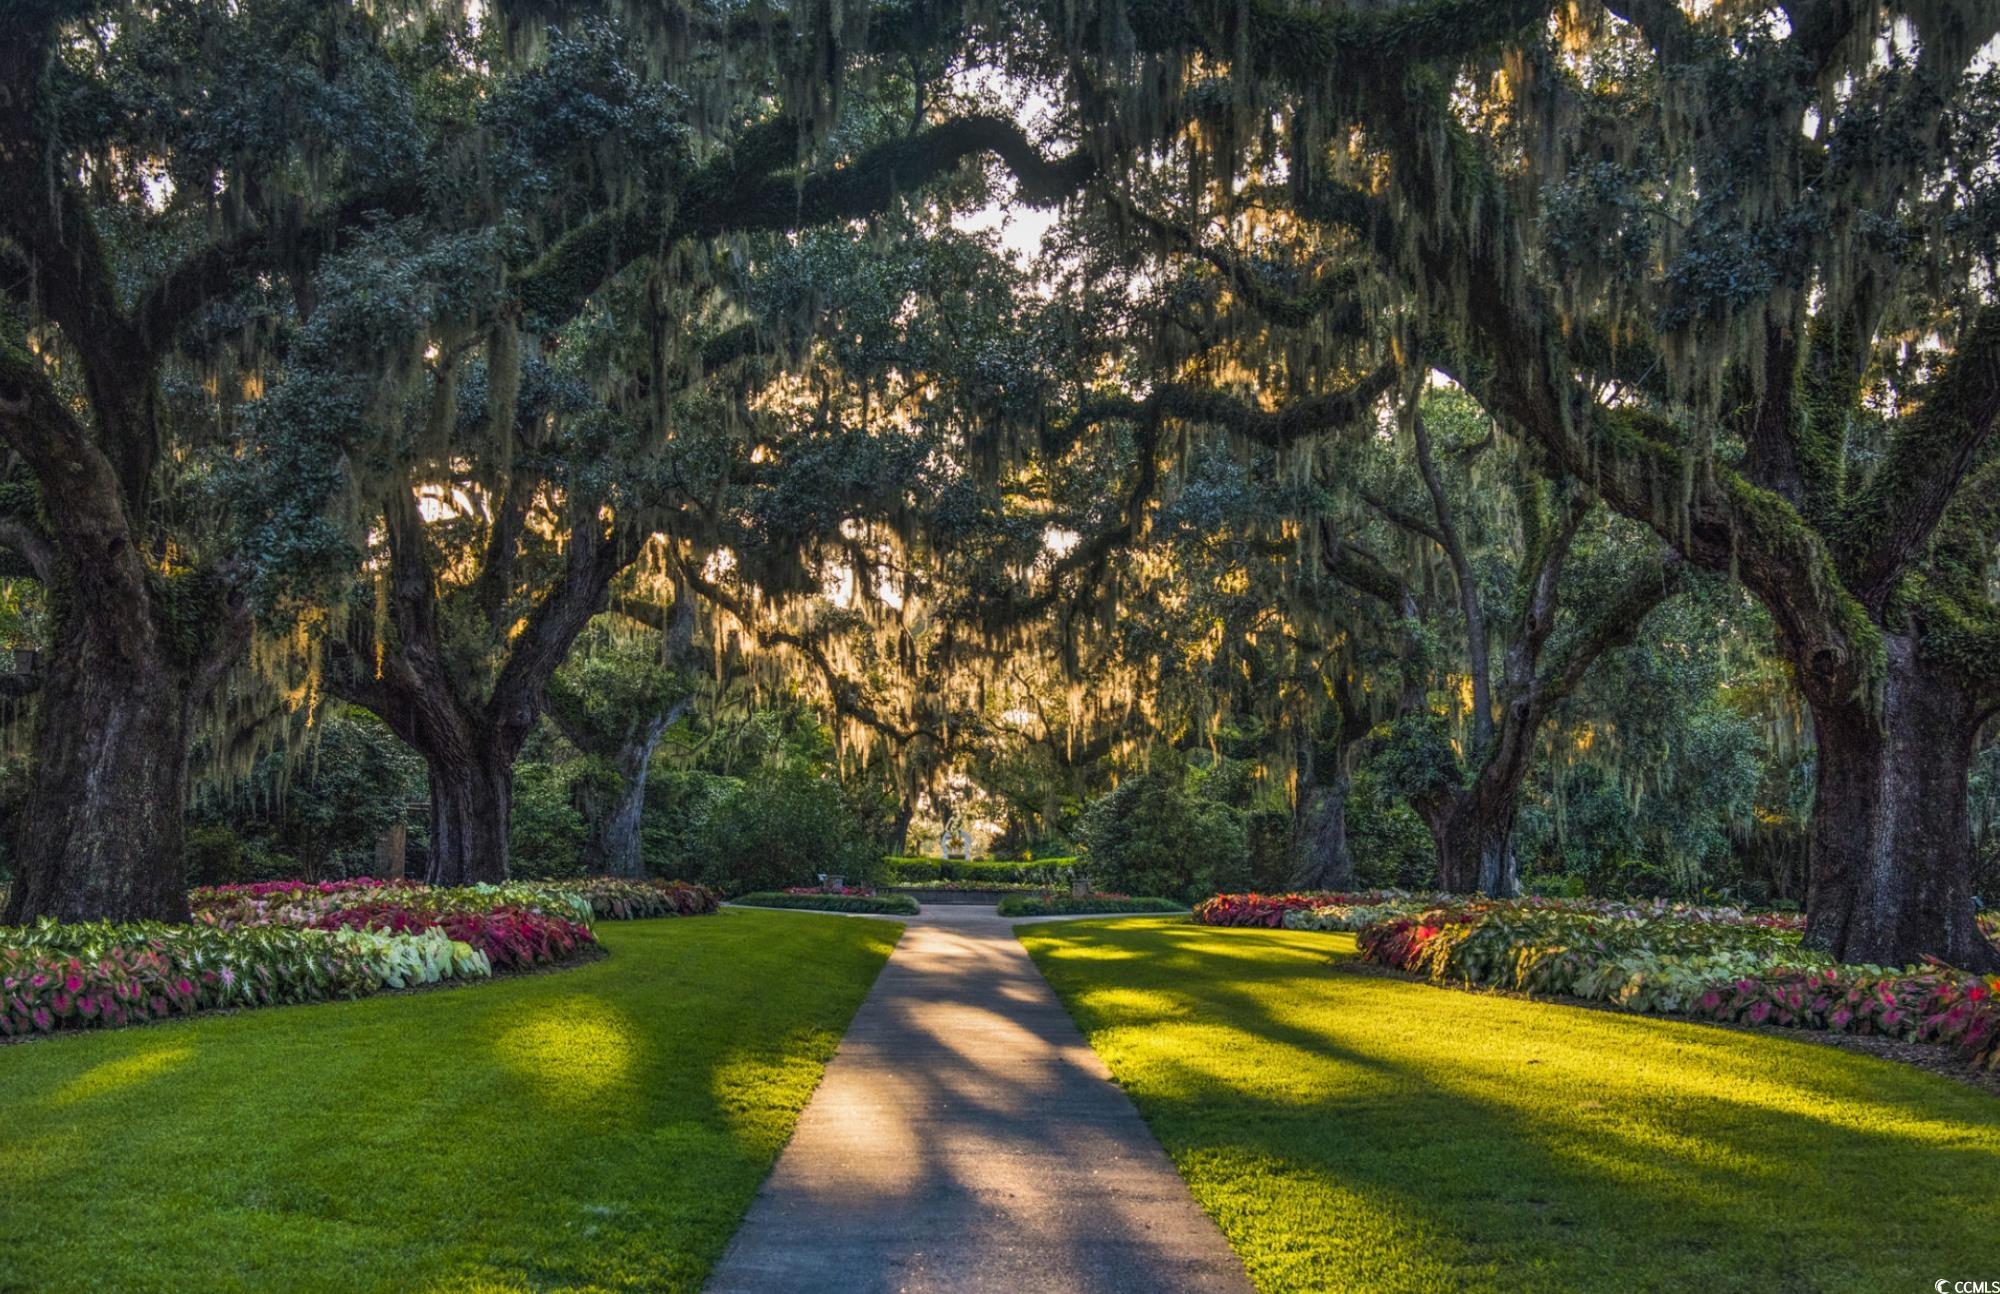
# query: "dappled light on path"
[[966, 1138]]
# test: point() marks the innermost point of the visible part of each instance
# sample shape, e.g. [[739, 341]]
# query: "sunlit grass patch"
[[601, 1128], [1355, 1131]]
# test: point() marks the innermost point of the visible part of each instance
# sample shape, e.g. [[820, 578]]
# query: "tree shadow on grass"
[[607, 1125], [1352, 1131]]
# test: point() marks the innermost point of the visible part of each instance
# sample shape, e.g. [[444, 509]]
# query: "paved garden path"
[[965, 1138]]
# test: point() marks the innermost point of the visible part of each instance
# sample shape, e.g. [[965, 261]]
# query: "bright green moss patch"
[[601, 1128], [1351, 1130]]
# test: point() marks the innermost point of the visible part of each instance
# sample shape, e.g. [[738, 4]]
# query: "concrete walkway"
[[965, 1138]]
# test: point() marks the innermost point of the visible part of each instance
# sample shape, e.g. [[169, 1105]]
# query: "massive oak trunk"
[[101, 835], [1473, 834], [1319, 822], [1325, 860], [472, 798], [1891, 860]]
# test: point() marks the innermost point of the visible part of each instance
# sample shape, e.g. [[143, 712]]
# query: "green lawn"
[[600, 1128], [1355, 1131]]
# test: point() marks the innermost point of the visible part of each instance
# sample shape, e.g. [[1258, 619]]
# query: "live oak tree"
[[168, 173], [1523, 592], [637, 309], [175, 173], [614, 699], [1732, 270]]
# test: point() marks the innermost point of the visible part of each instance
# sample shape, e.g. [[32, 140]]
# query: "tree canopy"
[[1403, 401]]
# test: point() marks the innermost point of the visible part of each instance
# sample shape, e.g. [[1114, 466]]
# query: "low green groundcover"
[[1066, 905], [599, 1129], [889, 904], [1356, 1131]]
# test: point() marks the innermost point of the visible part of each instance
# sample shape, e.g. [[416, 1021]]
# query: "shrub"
[[972, 873], [888, 904], [673, 827], [545, 832], [911, 871], [321, 812], [789, 829], [1065, 905], [215, 856], [1152, 835], [1389, 842], [974, 887]]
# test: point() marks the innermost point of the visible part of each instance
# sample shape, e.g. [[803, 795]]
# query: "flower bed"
[[1070, 905], [1352, 916], [299, 941], [614, 899], [100, 974], [510, 938], [887, 904], [1716, 963], [302, 903]]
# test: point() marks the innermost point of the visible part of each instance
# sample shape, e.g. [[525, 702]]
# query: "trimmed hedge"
[[1037, 871], [973, 887], [1076, 905], [901, 905]]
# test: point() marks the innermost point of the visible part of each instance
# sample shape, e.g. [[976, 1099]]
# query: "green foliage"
[[1072, 905], [1037, 871], [885, 904], [1391, 846], [1416, 756], [316, 811], [545, 832], [1154, 835], [674, 825], [215, 856], [782, 830]]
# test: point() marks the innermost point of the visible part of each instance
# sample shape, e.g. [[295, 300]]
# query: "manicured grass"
[[601, 1128], [1351, 1130]]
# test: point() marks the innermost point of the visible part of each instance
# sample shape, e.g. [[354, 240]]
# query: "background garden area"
[[1458, 515]]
